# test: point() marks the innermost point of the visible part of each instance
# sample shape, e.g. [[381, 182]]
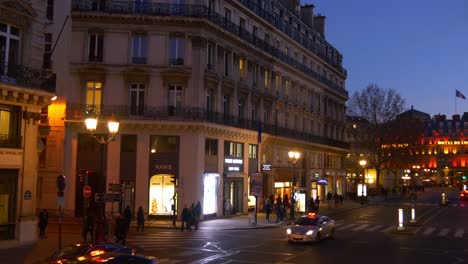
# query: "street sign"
[[113, 187], [256, 184], [108, 197], [87, 191]]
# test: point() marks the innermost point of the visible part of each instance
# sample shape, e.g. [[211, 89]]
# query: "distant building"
[[194, 84], [25, 89]]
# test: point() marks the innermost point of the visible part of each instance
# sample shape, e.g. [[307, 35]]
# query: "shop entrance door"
[[233, 198]]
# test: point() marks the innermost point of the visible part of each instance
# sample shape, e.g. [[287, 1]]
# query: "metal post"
[[174, 210], [292, 195], [400, 220], [60, 227], [256, 208]]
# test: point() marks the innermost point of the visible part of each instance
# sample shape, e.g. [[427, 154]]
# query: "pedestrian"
[[341, 199], [267, 210], [185, 219], [43, 222], [141, 219], [317, 203], [337, 200], [88, 227], [311, 204], [329, 199], [197, 214], [121, 229], [227, 207], [128, 217], [99, 232]]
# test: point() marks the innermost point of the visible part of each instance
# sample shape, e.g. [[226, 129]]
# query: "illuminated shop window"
[[161, 192]]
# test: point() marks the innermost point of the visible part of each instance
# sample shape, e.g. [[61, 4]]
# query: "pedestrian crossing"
[[164, 239], [461, 205], [423, 231]]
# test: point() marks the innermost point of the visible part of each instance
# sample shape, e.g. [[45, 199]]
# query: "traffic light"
[[61, 185], [81, 176], [173, 180], [464, 177]]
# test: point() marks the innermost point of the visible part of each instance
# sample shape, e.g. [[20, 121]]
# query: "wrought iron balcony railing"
[[26, 76], [184, 114], [200, 11]]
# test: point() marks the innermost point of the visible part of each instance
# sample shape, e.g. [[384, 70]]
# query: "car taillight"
[[462, 194]]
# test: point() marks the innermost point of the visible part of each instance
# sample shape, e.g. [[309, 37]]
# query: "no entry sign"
[[87, 191]]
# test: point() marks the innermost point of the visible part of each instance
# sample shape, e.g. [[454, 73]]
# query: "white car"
[[311, 227]]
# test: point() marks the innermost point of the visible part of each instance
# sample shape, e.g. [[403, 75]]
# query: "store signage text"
[[452, 142], [163, 166], [233, 161], [266, 167]]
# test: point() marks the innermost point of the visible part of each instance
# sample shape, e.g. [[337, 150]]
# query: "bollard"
[[444, 201], [413, 216], [400, 220]]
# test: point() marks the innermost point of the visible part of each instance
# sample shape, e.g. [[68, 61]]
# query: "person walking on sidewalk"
[[88, 227], [121, 229], [197, 214], [128, 217], [267, 210], [317, 203], [43, 222], [141, 219], [185, 219], [337, 200], [341, 199], [329, 199]]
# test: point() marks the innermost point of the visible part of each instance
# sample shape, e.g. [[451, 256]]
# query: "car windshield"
[[71, 251], [306, 221]]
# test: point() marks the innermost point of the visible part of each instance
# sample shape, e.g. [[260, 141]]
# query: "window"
[[241, 68], [233, 149], [176, 51], [255, 75], [227, 61], [98, 5], [95, 47], [9, 48], [211, 147], [254, 32], [210, 55], [50, 10], [266, 117], [253, 151], [93, 93], [209, 100], [240, 109], [10, 133], [241, 25], [211, 6], [253, 113], [47, 63], [141, 6], [226, 104], [137, 98], [139, 47], [267, 79], [227, 17], [175, 99], [267, 38]]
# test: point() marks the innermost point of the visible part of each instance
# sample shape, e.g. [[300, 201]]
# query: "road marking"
[[444, 232], [459, 233], [360, 227], [429, 231], [388, 229], [347, 226], [374, 228]]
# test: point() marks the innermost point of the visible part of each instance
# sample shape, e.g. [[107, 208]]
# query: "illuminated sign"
[[233, 161], [452, 142], [322, 181], [266, 167], [233, 169]]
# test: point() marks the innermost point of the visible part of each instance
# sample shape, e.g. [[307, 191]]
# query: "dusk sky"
[[418, 47]]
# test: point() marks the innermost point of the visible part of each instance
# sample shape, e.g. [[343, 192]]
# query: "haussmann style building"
[[207, 93]]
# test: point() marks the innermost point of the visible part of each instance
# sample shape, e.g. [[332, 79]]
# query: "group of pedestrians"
[[337, 198], [190, 217]]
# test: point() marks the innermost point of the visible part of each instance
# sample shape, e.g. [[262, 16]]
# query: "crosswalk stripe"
[[459, 233], [347, 226], [429, 230], [444, 232], [374, 228], [360, 227], [388, 229]]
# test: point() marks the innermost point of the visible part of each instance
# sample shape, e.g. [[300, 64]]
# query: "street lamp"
[[363, 164], [293, 157], [91, 123]]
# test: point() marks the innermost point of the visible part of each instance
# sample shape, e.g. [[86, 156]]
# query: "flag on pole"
[[459, 95], [259, 133]]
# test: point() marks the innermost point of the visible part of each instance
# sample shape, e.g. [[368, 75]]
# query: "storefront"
[[233, 180], [161, 195]]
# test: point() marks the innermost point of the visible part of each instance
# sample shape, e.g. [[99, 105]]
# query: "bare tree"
[[379, 107]]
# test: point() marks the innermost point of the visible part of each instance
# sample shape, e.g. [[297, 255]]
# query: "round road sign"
[[87, 191]]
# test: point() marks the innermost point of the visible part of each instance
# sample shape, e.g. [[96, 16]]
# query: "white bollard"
[[413, 215], [400, 220], [444, 200]]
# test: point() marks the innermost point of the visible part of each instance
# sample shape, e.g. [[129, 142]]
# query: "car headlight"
[[288, 231], [310, 232]]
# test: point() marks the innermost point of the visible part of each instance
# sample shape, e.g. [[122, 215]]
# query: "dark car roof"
[[117, 257]]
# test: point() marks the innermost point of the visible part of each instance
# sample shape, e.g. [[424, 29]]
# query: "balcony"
[[138, 60], [176, 61], [21, 75], [167, 113], [200, 11]]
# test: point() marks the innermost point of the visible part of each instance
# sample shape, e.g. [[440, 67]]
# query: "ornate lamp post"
[[293, 157], [91, 123], [363, 164]]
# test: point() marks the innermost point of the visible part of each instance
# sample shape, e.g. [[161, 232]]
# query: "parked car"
[[78, 252], [311, 227], [120, 258]]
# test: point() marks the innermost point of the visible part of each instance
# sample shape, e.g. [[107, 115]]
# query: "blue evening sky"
[[417, 47]]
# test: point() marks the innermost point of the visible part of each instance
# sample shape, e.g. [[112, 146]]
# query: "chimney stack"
[[319, 24], [307, 14]]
